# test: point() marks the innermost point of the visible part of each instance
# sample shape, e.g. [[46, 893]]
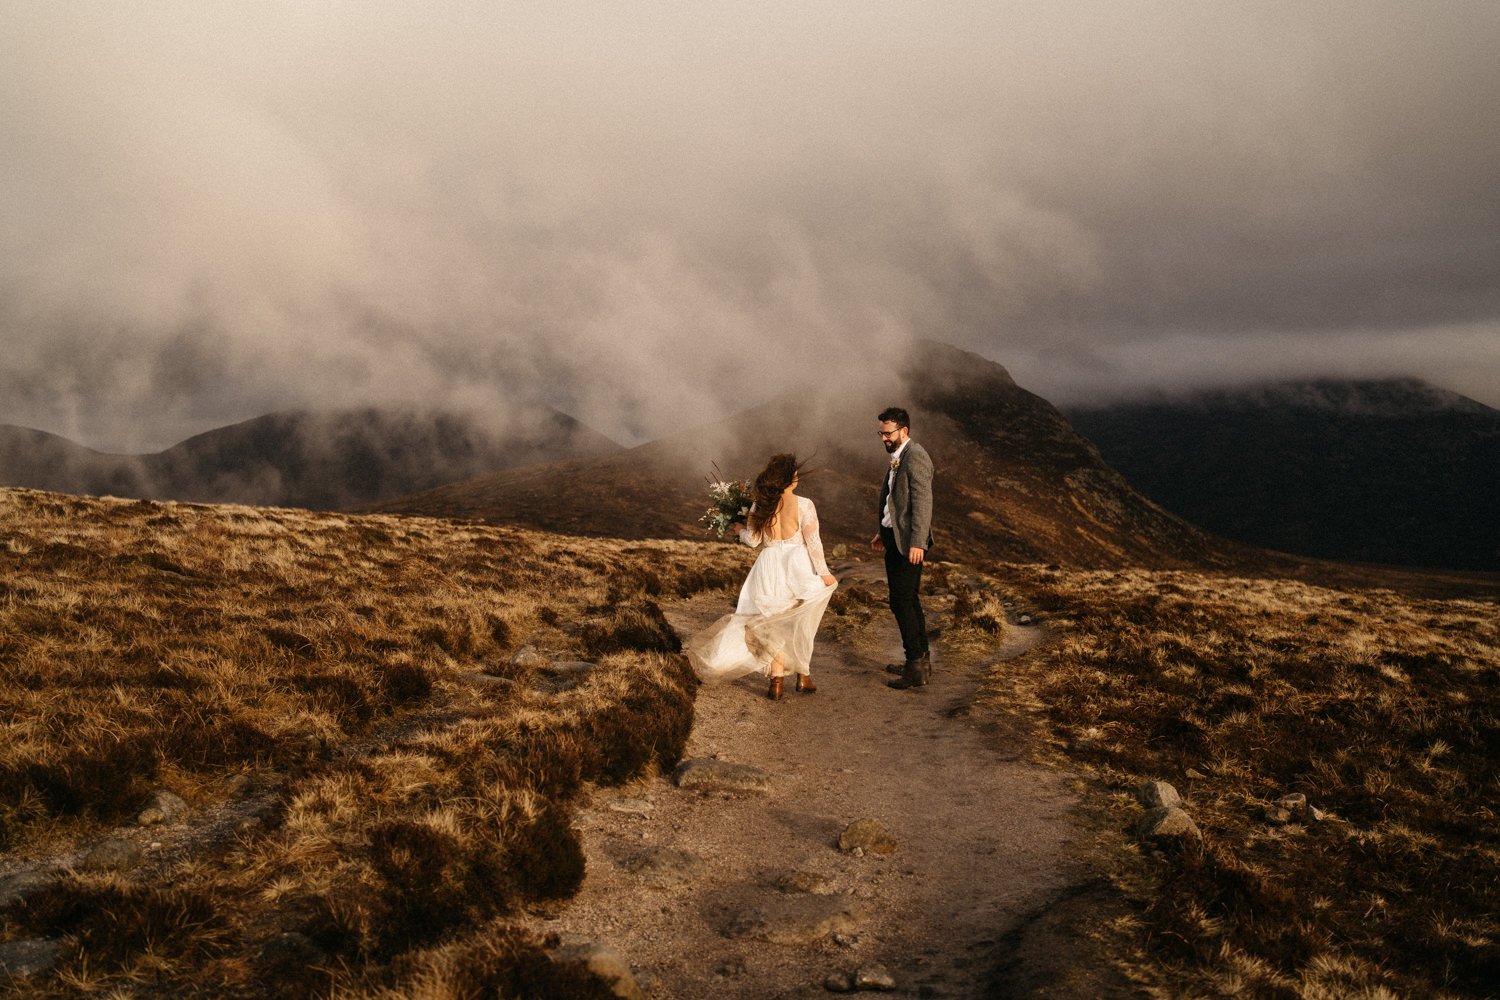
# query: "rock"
[[719, 775], [1159, 794], [839, 982], [637, 807], [1193, 774], [810, 882], [164, 806], [874, 977], [290, 947], [1277, 816], [577, 669], [249, 826], [32, 957], [604, 962], [113, 855], [1294, 802], [840, 551], [238, 786], [801, 919], [666, 867], [867, 836], [564, 675], [1024, 620], [15, 888], [846, 940], [1163, 822], [487, 680], [527, 656]]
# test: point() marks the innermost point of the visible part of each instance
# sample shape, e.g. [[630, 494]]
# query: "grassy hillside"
[[1382, 710], [408, 805], [395, 783]]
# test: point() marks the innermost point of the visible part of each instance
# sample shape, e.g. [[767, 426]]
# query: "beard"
[[890, 447]]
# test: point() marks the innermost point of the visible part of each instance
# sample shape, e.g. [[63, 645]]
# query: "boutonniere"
[[895, 464]]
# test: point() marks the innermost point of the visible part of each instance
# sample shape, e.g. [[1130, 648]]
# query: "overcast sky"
[[651, 213]]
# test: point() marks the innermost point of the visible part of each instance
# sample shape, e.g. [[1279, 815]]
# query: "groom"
[[906, 535]]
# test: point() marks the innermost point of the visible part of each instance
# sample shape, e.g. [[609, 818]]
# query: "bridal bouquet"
[[728, 499]]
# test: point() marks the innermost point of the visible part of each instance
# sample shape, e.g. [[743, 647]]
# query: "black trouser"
[[906, 603]]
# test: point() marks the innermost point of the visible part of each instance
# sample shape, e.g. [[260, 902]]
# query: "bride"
[[784, 596]]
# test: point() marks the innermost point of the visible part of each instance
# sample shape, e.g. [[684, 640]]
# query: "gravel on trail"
[[714, 891]]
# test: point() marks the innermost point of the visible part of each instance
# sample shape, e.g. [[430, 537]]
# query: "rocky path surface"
[[726, 892]]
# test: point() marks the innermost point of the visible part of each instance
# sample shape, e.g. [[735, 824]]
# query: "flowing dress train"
[[781, 603]]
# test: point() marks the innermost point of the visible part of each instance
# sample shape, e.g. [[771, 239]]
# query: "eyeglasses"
[[890, 434]]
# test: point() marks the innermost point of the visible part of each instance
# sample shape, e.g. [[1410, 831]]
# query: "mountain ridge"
[[1014, 481], [1392, 471], [317, 459]]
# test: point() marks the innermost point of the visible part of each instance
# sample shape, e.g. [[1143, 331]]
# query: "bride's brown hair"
[[769, 485]]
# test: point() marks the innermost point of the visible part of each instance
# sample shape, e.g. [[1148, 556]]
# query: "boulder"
[[1167, 823], [238, 785], [635, 807], [113, 855], [164, 806], [527, 656], [798, 919], [15, 888], [1277, 816], [810, 882], [719, 775], [606, 964], [1159, 795], [666, 867], [289, 948], [28, 958], [839, 982], [868, 836], [874, 977]]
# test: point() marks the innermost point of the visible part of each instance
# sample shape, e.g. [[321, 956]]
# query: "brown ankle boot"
[[915, 675], [805, 684], [774, 691]]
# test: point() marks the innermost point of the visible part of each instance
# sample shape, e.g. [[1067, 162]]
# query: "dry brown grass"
[[146, 644], [1383, 710]]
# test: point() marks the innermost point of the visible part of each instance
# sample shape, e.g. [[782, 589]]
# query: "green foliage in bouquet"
[[728, 500]]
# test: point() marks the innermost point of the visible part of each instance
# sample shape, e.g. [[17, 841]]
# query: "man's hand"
[[915, 555], [877, 544]]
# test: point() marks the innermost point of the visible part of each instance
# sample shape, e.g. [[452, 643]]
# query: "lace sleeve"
[[811, 538], [750, 538]]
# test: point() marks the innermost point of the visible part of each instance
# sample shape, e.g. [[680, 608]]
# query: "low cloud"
[[654, 214]]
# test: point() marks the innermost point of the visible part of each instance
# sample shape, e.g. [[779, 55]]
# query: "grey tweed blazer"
[[911, 498]]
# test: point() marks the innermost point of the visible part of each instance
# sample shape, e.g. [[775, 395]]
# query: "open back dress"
[[781, 603]]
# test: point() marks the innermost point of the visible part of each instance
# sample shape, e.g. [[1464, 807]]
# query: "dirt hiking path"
[[981, 835]]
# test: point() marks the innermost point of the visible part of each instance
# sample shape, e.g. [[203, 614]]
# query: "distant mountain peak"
[[1371, 470], [1367, 397]]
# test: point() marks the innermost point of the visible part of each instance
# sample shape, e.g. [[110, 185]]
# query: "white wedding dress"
[[781, 603]]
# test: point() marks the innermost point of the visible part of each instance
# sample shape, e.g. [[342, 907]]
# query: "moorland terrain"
[[416, 748]]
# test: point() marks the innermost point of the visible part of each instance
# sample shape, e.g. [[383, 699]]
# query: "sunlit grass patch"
[[1383, 710], [149, 644]]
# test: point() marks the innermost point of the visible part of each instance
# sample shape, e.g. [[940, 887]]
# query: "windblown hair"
[[769, 485], [895, 415]]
